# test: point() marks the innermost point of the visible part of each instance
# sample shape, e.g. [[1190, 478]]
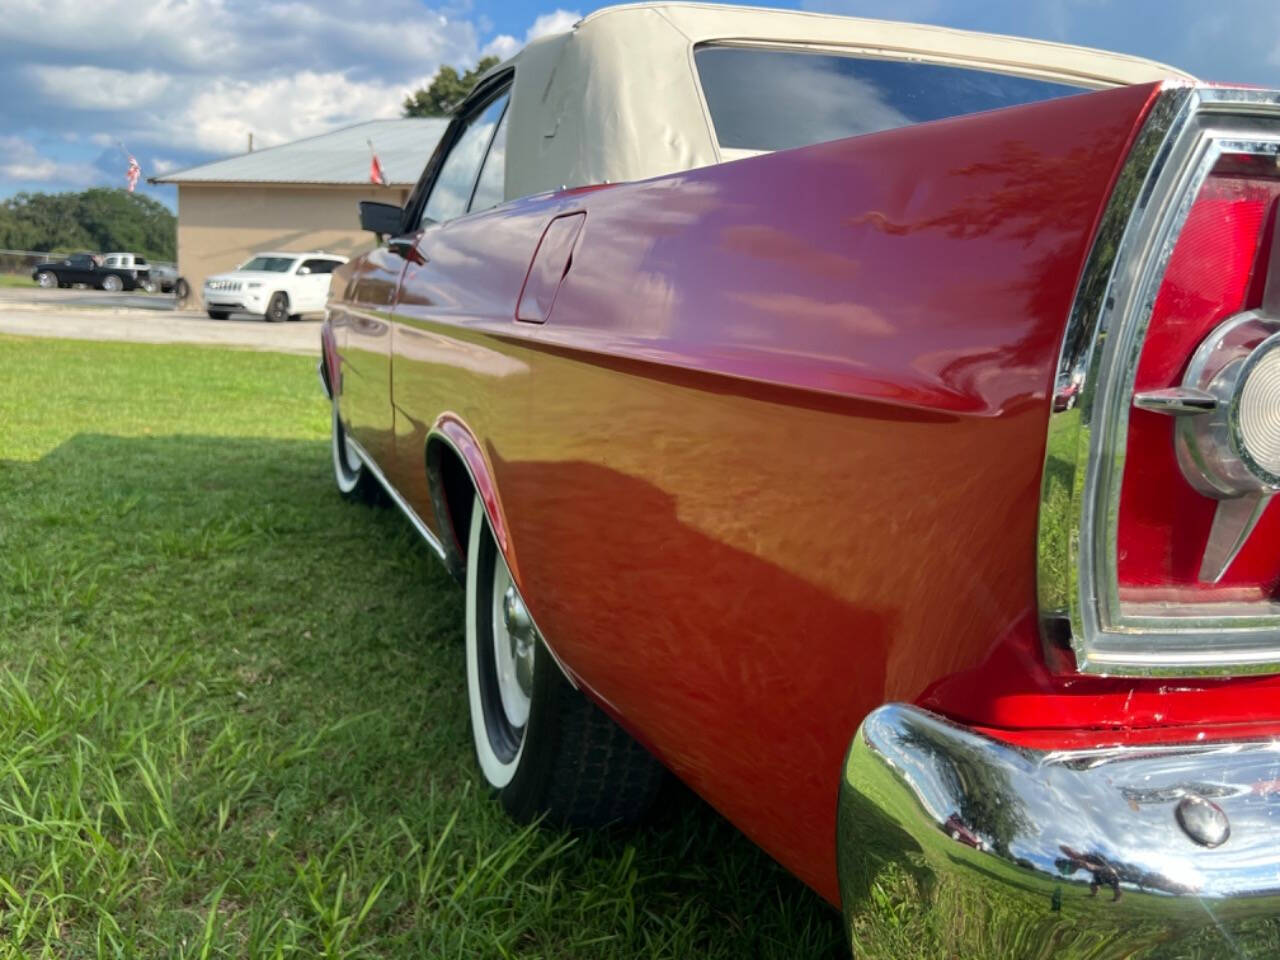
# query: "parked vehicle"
[[91, 270], [164, 277], [134, 262], [903, 486], [279, 286]]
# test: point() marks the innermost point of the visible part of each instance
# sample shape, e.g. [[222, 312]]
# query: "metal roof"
[[339, 157]]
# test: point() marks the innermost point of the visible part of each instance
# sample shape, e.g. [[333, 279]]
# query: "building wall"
[[222, 225]]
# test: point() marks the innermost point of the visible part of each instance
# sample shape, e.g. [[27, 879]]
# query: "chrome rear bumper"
[[952, 844]]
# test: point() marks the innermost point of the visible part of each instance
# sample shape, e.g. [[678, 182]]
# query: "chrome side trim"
[[952, 844], [1186, 132], [413, 518], [324, 384]]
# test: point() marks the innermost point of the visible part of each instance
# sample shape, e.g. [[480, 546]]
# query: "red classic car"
[[912, 469]]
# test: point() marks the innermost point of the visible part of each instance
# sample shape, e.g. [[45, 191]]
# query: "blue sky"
[[183, 81]]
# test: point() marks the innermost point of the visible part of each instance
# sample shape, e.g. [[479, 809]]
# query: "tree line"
[[95, 220]]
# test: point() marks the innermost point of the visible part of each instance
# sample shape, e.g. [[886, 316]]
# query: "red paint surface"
[[1012, 689], [1164, 523], [774, 459]]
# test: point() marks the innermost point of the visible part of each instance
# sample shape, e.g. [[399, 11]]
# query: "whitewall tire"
[[353, 478], [540, 744]]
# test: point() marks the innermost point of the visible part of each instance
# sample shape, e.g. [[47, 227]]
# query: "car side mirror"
[[304, 271], [380, 218]]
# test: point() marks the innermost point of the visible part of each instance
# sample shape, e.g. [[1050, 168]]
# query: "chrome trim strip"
[[1186, 132], [1176, 401], [324, 384], [953, 844], [413, 518]]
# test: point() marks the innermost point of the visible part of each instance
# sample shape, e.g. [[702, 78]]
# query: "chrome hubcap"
[[514, 638]]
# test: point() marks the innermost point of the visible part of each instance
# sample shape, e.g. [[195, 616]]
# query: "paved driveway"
[[86, 297], [93, 315]]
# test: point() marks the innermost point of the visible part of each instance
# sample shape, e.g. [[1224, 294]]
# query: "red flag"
[[132, 174], [375, 168]]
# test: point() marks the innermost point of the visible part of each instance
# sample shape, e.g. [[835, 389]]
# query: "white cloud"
[[502, 46], [96, 88], [221, 116], [558, 21], [193, 78], [22, 161]]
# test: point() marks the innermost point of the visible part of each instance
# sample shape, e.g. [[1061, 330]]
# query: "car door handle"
[[550, 265]]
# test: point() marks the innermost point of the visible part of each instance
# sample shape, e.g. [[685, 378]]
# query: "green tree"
[[446, 90], [99, 219]]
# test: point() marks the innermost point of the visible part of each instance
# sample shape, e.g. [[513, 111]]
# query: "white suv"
[[278, 286]]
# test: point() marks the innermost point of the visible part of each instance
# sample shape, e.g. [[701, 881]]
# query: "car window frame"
[[484, 162], [477, 102]]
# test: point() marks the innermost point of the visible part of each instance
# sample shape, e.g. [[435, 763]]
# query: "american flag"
[[131, 175]]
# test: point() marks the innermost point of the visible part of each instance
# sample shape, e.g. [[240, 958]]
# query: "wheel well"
[[452, 496]]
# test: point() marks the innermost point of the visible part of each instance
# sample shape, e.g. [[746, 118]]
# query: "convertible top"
[[617, 97]]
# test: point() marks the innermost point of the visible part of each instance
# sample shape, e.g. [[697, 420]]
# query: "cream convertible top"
[[617, 97]]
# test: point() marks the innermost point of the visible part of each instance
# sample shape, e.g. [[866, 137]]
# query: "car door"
[[313, 285], [452, 350], [363, 311], [80, 269]]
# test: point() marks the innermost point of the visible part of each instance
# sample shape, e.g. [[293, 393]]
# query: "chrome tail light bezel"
[[1187, 130]]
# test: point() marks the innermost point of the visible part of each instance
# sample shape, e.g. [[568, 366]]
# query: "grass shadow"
[[234, 720]]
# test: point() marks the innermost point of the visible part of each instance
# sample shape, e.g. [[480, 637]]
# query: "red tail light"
[[1159, 529], [1217, 270]]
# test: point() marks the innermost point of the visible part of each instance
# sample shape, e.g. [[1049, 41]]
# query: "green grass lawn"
[[16, 280], [232, 712]]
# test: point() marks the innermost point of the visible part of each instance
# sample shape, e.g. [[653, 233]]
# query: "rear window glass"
[[770, 99]]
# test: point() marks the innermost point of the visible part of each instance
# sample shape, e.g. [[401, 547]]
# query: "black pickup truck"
[[86, 268]]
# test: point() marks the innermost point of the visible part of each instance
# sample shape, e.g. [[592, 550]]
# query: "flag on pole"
[[375, 167], [131, 175]]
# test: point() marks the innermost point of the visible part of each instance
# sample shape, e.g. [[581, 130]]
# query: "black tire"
[[111, 284], [218, 314], [278, 308], [181, 290], [47, 279], [568, 762], [354, 480]]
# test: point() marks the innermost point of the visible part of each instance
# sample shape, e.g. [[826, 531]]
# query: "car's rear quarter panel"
[[775, 458]]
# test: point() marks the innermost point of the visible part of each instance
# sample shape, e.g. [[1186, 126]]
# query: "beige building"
[[297, 196]]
